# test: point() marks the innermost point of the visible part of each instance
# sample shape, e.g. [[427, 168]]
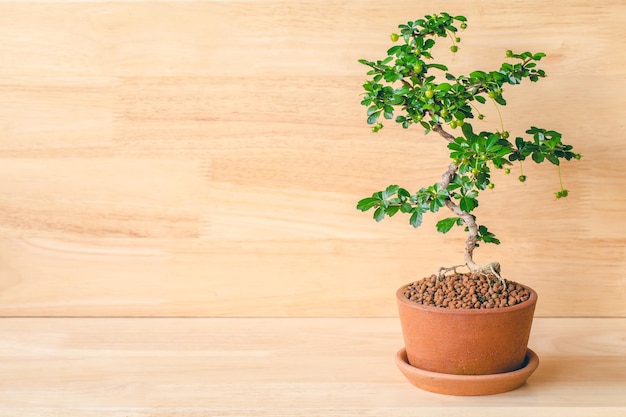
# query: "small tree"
[[409, 85]]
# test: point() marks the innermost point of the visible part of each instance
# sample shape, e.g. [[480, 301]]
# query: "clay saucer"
[[467, 384]]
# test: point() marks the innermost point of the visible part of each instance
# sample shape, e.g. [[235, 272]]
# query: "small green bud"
[[394, 37]]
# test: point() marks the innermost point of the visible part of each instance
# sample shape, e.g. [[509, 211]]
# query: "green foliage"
[[407, 87], [406, 81]]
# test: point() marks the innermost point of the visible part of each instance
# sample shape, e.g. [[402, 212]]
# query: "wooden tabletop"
[[157, 367]]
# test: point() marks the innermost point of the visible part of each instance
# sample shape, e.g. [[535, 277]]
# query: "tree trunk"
[[492, 268]]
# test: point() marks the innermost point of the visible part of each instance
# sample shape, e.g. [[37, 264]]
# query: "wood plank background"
[[205, 158]]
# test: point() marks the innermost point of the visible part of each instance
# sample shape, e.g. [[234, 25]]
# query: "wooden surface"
[[190, 158], [282, 367]]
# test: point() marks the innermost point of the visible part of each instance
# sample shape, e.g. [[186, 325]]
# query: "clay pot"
[[466, 341]]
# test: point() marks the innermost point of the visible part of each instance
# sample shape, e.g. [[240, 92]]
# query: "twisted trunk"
[[468, 219]]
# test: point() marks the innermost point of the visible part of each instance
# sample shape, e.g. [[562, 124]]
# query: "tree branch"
[[443, 133]]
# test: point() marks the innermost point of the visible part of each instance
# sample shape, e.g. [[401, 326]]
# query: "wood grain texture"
[[282, 367], [193, 158]]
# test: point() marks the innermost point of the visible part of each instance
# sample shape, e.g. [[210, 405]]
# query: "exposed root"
[[445, 269], [492, 268]]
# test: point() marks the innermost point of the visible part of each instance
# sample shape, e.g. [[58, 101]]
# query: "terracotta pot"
[[466, 341]]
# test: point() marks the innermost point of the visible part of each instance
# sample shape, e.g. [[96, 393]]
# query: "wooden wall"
[[191, 158]]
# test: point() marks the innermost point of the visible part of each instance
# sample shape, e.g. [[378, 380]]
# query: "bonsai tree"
[[408, 84]]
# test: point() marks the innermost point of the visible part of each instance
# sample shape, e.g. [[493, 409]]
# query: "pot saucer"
[[467, 384]]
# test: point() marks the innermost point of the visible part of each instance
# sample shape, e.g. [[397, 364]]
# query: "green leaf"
[[491, 142], [538, 157], [480, 99], [394, 49], [416, 219], [392, 210], [438, 66], [444, 226], [468, 204], [468, 131], [389, 191], [454, 146], [486, 236], [379, 214], [403, 193], [406, 208], [391, 76], [553, 159], [397, 99], [367, 203], [373, 118], [371, 110], [388, 114]]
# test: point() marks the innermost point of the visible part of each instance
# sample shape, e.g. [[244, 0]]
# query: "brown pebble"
[[466, 291]]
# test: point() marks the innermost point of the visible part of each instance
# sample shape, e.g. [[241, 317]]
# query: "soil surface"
[[466, 291]]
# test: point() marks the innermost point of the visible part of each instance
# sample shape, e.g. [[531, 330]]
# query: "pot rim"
[[465, 311]]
